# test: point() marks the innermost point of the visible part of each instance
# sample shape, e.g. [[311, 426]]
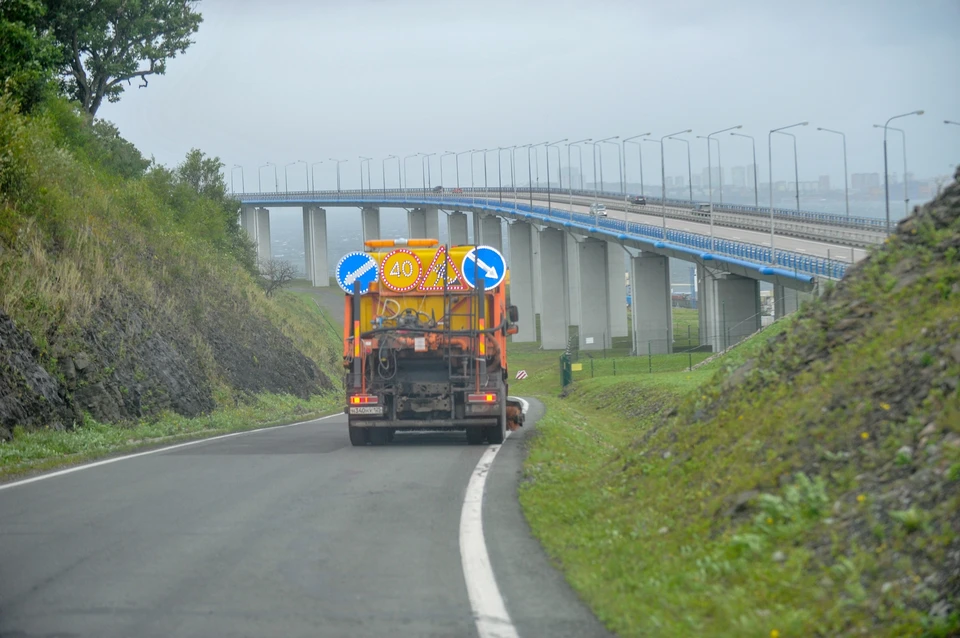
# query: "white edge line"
[[489, 611], [87, 466]]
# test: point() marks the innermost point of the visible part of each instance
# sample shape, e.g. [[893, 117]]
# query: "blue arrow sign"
[[486, 265], [356, 267]]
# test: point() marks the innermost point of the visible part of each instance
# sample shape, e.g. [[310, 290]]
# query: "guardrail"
[[757, 257]]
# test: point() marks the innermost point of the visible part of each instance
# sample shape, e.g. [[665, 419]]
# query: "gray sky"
[[305, 80]]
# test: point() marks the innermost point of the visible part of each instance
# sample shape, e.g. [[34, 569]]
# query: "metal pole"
[[753, 144], [886, 177], [846, 189], [689, 169], [580, 169], [770, 159], [313, 175]]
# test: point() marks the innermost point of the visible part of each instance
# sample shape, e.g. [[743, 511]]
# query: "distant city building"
[[717, 176], [669, 182], [679, 181], [738, 175], [864, 181], [695, 181], [824, 186]]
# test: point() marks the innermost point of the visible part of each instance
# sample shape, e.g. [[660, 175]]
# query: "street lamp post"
[[689, 167], [606, 139], [906, 191], [286, 186], [710, 172], [339, 162], [570, 178], [846, 191], [444, 154], [235, 167], [369, 185], [513, 159], [458, 164], [663, 179], [639, 154], [427, 156], [796, 170], [313, 176], [623, 192], [886, 177], [276, 180], [383, 171], [405, 171], [753, 144], [547, 151], [500, 150], [773, 259], [529, 148]]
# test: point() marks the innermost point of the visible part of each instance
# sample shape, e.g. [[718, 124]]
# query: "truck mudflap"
[[515, 415]]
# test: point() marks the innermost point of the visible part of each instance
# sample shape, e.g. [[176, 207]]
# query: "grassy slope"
[[811, 492], [75, 236]]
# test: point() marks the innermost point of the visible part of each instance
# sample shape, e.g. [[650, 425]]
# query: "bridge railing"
[[753, 253]]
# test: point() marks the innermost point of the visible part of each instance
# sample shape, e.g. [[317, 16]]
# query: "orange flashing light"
[[391, 243]]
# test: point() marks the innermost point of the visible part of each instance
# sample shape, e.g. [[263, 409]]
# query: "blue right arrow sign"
[[484, 265]]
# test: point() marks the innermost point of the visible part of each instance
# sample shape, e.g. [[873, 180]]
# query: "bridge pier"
[[618, 290], [315, 246], [728, 307], [424, 223], [594, 257], [457, 228], [491, 231], [556, 291], [370, 220], [256, 221], [571, 263], [788, 300], [537, 287], [651, 304], [521, 278]]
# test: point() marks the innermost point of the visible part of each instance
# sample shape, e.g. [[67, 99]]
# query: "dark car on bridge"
[[438, 189], [638, 200]]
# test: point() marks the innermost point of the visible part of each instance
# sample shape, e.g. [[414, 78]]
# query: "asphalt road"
[[283, 532]]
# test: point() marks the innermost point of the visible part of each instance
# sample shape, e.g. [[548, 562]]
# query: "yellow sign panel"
[[576, 367], [433, 276], [401, 270]]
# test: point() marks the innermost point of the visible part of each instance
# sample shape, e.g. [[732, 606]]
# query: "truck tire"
[[475, 436], [358, 436], [497, 433]]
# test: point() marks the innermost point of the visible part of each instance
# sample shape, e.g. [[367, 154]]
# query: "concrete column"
[[572, 265], [490, 232], [728, 307], [315, 246], [248, 222], [521, 279], [617, 293], [595, 331], [457, 228], [423, 223], [370, 220], [787, 300], [264, 252], [537, 287], [553, 324], [652, 308]]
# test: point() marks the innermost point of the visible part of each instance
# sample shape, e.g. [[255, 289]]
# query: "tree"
[[28, 55], [203, 174], [105, 43], [276, 274]]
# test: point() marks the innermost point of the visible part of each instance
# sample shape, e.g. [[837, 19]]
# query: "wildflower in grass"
[[885, 406], [769, 521], [864, 435], [861, 498], [774, 633]]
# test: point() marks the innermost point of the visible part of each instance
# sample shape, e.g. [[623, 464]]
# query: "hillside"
[[128, 290], [805, 485]]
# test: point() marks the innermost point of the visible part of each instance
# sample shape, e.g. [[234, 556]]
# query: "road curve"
[[282, 532]]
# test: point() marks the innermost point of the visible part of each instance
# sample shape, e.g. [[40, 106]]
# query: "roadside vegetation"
[[807, 483]]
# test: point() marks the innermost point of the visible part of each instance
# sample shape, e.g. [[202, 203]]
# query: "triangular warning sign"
[[432, 279]]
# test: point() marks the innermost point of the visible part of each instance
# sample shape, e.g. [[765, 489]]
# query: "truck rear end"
[[425, 341]]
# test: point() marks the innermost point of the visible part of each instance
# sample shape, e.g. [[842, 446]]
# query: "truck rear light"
[[482, 397], [364, 399]]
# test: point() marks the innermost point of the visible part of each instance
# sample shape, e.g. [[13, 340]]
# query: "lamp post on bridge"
[[710, 167], [663, 178], [512, 158], [595, 144], [235, 167], [458, 163], [640, 155], [547, 151], [313, 176], [663, 190], [405, 171], [689, 166], [773, 257], [753, 143], [383, 172], [286, 186], [339, 162], [276, 181], [796, 170], [529, 148], [500, 150], [369, 185], [570, 177], [619, 165], [720, 168], [906, 191], [444, 154], [426, 156], [886, 177], [846, 191]]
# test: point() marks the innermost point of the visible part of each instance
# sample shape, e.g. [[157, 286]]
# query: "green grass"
[[46, 449]]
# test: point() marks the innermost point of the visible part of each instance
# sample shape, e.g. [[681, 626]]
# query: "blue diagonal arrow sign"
[[484, 265], [355, 267]]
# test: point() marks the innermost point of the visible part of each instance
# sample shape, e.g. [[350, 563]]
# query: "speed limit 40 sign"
[[401, 270]]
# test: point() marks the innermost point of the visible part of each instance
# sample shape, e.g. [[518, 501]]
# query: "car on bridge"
[[701, 210], [598, 209], [638, 200], [438, 189]]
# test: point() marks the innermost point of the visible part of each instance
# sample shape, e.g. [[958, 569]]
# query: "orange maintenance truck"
[[425, 340]]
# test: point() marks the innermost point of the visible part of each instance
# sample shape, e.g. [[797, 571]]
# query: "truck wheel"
[[497, 433], [358, 436], [475, 436], [379, 436]]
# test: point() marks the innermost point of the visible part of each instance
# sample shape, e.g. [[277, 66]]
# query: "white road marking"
[[87, 466], [489, 611]]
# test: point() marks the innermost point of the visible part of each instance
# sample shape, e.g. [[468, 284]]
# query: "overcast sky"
[[310, 80]]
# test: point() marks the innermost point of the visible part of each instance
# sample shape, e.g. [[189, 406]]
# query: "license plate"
[[367, 409]]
